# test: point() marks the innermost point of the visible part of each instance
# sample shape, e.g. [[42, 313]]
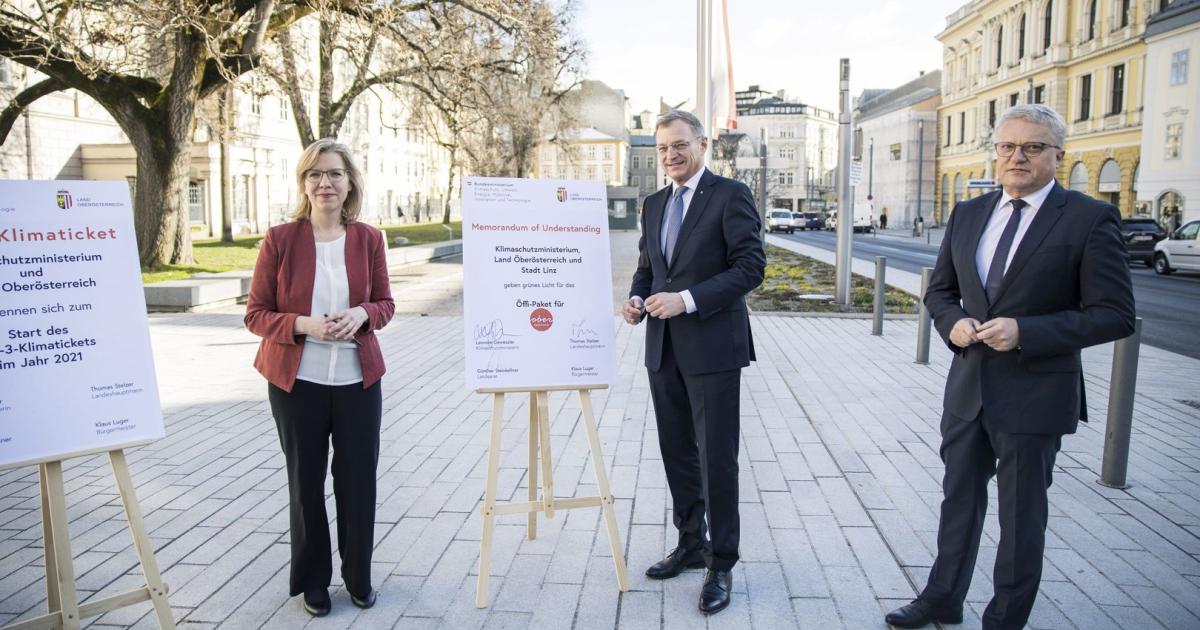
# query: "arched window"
[[1079, 178], [945, 195], [1047, 25], [1109, 182], [1021, 37], [1124, 17], [1093, 18], [999, 45], [958, 189]]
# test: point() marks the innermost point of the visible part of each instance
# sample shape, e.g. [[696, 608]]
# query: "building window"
[[786, 178], [1179, 67], [1124, 17], [1039, 94], [607, 152], [787, 153], [637, 181], [256, 104], [1047, 26], [1174, 143], [285, 109], [1085, 97], [1021, 38], [991, 114], [999, 45], [962, 127], [948, 129], [241, 198], [195, 202], [1163, 4], [1013, 98], [637, 161], [591, 152], [1092, 18], [1117, 96], [894, 150]]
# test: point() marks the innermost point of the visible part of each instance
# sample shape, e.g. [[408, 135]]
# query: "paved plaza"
[[839, 490]]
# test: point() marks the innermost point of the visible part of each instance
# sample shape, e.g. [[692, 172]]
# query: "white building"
[[1168, 179], [588, 154], [890, 127], [67, 135], [802, 147]]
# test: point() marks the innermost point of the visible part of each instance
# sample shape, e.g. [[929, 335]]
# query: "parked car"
[[779, 220], [1140, 235], [1180, 251], [831, 222], [808, 220]]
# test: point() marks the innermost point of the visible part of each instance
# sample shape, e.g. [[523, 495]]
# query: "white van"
[[780, 220]]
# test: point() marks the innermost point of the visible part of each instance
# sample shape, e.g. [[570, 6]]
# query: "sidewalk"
[[840, 483]]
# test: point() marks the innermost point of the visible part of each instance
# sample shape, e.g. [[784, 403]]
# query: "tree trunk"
[[223, 113], [450, 185], [160, 205]]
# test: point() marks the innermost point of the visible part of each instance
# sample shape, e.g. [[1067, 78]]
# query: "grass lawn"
[[790, 276], [213, 256]]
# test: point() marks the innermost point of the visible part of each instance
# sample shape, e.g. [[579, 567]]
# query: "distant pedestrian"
[[883, 220], [319, 293], [1026, 277]]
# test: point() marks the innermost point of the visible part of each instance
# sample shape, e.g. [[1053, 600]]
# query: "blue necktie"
[[1000, 258], [674, 218]]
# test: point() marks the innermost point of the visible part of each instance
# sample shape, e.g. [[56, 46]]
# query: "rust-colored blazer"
[[282, 287]]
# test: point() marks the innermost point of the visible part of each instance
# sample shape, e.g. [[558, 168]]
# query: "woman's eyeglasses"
[[335, 175]]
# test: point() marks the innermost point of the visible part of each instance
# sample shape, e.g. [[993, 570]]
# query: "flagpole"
[[703, 108]]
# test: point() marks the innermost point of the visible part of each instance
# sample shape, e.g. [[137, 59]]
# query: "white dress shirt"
[[995, 227], [330, 362], [691, 184]]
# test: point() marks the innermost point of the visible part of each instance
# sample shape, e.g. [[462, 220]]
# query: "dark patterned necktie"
[[674, 218], [995, 276]]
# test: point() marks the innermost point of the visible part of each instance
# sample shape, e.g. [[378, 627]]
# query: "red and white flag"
[[721, 92]]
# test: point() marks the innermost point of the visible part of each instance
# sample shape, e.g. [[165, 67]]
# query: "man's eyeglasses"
[[678, 147], [335, 175], [1030, 149]]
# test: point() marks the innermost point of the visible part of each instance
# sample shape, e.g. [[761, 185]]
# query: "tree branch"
[[30, 94]]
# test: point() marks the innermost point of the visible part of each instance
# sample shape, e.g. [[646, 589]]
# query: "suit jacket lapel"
[[695, 209], [1047, 215], [987, 205], [656, 208]]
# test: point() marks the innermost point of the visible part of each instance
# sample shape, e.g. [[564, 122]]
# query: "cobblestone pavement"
[[840, 482]]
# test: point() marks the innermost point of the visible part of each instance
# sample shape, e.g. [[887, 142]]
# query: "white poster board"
[[76, 370], [537, 283]]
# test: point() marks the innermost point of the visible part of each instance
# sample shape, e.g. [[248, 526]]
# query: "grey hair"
[[1038, 114], [670, 116]]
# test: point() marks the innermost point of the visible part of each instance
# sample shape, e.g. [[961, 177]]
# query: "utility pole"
[[920, 166], [871, 171], [845, 222]]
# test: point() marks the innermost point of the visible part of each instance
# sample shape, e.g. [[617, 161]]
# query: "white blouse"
[[330, 362]]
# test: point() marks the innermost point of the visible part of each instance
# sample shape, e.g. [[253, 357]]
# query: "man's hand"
[[999, 334], [964, 332], [665, 305], [632, 311]]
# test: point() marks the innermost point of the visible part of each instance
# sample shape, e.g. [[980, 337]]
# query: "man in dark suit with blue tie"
[[701, 252], [1026, 277]]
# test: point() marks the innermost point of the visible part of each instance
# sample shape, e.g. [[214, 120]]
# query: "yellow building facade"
[[1084, 58]]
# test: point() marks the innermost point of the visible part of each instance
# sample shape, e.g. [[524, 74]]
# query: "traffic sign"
[[856, 170], [981, 183]]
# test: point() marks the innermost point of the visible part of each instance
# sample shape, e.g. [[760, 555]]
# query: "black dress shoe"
[[316, 602], [921, 613], [674, 564], [365, 601], [714, 597]]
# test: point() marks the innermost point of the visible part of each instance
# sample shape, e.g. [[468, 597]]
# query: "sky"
[[647, 47]]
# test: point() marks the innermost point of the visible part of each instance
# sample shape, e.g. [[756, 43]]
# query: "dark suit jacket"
[[1068, 287], [719, 258], [282, 288]]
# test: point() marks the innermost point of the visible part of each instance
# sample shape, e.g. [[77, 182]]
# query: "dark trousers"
[[698, 436], [973, 451], [307, 418]]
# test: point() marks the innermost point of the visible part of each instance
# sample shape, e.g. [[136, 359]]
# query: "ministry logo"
[[561, 194], [64, 200]]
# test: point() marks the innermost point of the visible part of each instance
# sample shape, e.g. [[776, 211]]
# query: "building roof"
[[1179, 14], [926, 86], [587, 134]]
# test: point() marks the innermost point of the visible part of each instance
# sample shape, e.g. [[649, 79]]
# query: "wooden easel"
[[539, 440], [62, 600]]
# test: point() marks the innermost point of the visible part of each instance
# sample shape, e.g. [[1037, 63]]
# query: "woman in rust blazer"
[[319, 293]]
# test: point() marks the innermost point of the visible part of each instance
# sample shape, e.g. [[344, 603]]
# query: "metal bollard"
[[923, 320], [1121, 388], [926, 237], [880, 291]]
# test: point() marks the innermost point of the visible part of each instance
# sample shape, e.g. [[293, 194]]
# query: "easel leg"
[[141, 542], [489, 503], [606, 497], [55, 498], [547, 467], [48, 544], [534, 431]]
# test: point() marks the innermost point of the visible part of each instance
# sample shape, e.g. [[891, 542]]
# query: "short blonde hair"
[[353, 205]]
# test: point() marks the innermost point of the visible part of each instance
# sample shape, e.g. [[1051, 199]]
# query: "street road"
[[1168, 305]]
